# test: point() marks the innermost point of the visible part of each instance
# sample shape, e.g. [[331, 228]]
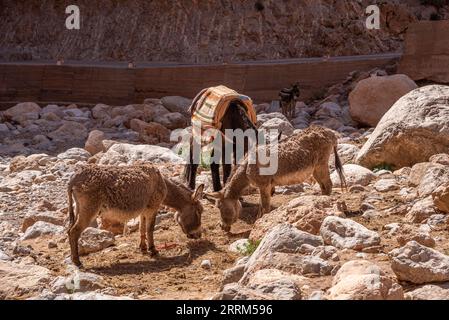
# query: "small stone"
[[52, 245], [206, 264]]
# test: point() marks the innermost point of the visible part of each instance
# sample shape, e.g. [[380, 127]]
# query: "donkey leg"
[[265, 200], [322, 176], [151, 221], [86, 211], [143, 234], [192, 176], [227, 168], [215, 170]]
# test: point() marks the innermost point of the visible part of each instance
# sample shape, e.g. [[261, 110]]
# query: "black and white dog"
[[288, 97]]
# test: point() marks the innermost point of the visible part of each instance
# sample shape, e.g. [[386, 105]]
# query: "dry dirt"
[[176, 273]]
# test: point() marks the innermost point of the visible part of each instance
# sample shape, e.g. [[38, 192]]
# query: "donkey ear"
[[213, 197], [198, 194]]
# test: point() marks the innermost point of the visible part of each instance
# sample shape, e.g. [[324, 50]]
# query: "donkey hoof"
[[77, 263], [153, 252]]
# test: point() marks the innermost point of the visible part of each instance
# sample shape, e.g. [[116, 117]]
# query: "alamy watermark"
[[258, 147], [373, 20], [73, 21]]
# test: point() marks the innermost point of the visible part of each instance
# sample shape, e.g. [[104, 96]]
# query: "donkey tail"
[[340, 171], [70, 198]]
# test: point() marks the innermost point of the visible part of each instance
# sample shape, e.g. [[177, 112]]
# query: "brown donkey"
[[301, 156], [124, 193]]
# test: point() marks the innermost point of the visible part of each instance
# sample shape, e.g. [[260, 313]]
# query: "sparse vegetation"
[[249, 248], [383, 166]]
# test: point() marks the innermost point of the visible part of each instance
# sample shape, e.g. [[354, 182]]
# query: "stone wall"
[[426, 55], [117, 85]]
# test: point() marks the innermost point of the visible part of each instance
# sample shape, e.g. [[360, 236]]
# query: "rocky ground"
[[386, 237]]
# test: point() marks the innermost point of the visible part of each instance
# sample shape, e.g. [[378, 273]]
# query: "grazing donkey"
[[288, 97], [302, 155], [124, 193]]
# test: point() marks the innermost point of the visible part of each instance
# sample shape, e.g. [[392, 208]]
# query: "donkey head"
[[189, 218], [229, 209]]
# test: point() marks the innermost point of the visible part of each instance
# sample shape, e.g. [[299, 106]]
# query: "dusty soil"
[[176, 273]]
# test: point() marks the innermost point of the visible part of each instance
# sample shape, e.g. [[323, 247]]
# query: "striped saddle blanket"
[[210, 105]]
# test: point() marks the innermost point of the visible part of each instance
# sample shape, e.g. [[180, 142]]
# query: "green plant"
[[249, 248], [383, 166]]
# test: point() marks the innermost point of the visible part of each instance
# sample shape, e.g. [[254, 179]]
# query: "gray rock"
[[177, 104], [346, 233], [419, 264], [363, 280], [20, 279], [31, 218], [42, 228], [94, 240], [420, 211], [278, 124], [386, 185], [233, 274], [414, 129], [122, 153], [355, 175], [4, 256], [429, 292]]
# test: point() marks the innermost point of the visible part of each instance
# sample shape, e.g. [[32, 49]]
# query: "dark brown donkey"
[[234, 118]]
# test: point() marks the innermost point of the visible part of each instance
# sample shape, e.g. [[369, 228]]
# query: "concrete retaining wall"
[[115, 84], [426, 53]]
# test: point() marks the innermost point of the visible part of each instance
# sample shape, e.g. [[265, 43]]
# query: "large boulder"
[[374, 96], [305, 213], [18, 280], [429, 292], [419, 264], [281, 249], [413, 130], [347, 234], [363, 280]]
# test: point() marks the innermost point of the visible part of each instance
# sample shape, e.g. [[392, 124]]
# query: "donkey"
[[301, 156], [124, 193], [234, 118], [288, 97]]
